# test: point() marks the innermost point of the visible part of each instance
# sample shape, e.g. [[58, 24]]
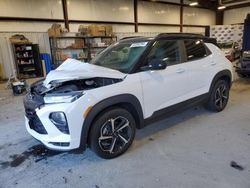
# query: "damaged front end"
[[69, 82], [69, 91], [51, 105], [59, 92]]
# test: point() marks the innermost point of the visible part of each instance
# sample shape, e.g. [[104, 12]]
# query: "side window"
[[166, 50], [195, 49]]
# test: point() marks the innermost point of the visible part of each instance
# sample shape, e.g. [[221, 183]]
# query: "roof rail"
[[181, 35], [130, 37], [187, 36]]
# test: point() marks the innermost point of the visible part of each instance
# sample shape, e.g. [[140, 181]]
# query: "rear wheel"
[[219, 96], [112, 133]]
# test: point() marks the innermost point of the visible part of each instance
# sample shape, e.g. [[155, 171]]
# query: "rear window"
[[195, 49]]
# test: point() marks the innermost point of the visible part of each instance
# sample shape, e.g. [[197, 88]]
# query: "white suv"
[[101, 104]]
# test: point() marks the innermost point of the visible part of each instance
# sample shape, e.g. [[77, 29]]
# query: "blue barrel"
[[48, 63]]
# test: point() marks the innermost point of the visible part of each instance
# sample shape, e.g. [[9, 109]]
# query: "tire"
[[218, 97], [108, 142]]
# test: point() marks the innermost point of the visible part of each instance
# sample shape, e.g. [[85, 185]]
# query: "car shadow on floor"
[[163, 124]]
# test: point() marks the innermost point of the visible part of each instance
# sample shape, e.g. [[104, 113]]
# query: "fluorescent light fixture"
[[193, 4], [221, 7]]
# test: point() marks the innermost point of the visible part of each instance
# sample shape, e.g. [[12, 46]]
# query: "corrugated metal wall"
[[6, 53]]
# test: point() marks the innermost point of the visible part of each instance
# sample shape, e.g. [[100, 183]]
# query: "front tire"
[[219, 96], [112, 133]]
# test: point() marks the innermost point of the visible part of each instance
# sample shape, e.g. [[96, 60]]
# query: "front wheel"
[[112, 133], [219, 96]]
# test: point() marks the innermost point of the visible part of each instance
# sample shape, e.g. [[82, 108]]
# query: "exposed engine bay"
[[73, 85], [69, 82]]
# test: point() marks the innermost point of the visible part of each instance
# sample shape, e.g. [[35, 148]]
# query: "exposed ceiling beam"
[[237, 6], [3, 18]]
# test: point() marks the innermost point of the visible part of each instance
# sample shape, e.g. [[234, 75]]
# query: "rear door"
[[199, 63]]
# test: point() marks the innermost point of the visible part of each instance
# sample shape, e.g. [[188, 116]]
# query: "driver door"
[[163, 88]]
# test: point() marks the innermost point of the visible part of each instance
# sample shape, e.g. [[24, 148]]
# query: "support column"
[[181, 16], [136, 15], [65, 14]]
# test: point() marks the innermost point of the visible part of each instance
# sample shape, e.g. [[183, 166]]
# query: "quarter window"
[[195, 49]]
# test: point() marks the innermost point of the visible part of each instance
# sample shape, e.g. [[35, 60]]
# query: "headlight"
[[62, 98]]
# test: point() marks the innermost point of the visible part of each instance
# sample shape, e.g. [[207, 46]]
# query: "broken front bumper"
[[40, 126]]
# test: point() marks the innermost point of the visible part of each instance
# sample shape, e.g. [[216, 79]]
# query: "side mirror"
[[155, 64]]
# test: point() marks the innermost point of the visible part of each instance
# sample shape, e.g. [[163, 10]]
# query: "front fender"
[[106, 103]]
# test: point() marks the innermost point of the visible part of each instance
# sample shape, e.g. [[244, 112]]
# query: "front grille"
[[34, 122]]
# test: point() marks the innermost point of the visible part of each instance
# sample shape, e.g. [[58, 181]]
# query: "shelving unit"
[[82, 48], [27, 61]]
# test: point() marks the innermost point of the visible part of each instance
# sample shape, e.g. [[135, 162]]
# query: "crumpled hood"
[[72, 69]]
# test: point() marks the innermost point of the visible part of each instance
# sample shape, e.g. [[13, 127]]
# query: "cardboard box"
[[108, 30], [1, 72], [54, 32], [79, 43], [17, 41], [95, 30], [83, 29]]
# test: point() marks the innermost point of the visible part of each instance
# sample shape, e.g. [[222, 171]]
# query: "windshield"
[[120, 56]]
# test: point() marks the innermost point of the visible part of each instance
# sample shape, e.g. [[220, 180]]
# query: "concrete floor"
[[189, 150]]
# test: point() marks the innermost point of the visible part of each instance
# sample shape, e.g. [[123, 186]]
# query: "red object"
[[229, 57]]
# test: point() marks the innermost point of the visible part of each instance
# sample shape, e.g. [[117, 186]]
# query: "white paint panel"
[[116, 27], [108, 10], [26, 26], [160, 29], [235, 16], [197, 30], [31, 8], [198, 16], [151, 12]]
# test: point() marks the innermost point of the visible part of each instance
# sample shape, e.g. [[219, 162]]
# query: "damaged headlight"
[[62, 97]]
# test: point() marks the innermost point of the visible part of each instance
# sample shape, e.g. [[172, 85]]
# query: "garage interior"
[[194, 148]]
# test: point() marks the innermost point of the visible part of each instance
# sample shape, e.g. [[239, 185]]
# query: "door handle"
[[180, 70]]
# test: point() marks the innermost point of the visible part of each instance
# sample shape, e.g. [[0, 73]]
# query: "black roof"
[[136, 39], [179, 36], [170, 36]]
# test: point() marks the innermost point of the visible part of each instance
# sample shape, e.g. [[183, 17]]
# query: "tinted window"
[[195, 49], [168, 51]]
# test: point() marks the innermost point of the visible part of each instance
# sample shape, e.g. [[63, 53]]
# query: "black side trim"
[[118, 100], [171, 110]]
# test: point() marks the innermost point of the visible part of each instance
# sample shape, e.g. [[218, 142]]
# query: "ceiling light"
[[193, 4], [221, 7]]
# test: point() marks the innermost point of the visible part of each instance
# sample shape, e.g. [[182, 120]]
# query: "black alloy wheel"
[[112, 133], [218, 96]]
